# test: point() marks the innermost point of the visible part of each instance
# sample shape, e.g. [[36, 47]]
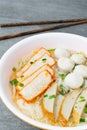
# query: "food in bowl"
[[50, 86]]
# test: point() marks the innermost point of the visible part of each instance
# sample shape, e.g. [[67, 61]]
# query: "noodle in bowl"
[[23, 48]]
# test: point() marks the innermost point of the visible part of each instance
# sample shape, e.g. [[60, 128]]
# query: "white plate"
[[24, 47]]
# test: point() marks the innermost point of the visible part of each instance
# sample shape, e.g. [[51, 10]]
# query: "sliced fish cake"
[[67, 106], [79, 106], [31, 77], [37, 86], [49, 99], [32, 59], [58, 102], [45, 59]]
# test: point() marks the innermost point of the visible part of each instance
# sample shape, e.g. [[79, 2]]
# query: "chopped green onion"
[[44, 60], [82, 99], [21, 84], [82, 85], [68, 91], [20, 63], [52, 50], [82, 119], [45, 96], [31, 62], [63, 76], [52, 96], [22, 76], [14, 69], [85, 110], [62, 92], [61, 86], [75, 106], [14, 82]]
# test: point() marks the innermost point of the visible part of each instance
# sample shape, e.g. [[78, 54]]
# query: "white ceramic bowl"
[[24, 47]]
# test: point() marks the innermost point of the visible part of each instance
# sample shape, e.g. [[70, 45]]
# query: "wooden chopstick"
[[42, 30], [40, 22]]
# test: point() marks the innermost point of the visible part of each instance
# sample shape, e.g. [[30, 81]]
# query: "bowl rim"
[[13, 109]]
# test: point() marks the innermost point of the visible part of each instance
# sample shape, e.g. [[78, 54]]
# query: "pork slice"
[[37, 86], [45, 59], [32, 59], [31, 77]]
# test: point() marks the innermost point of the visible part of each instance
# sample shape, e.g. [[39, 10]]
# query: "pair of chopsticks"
[[64, 23]]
